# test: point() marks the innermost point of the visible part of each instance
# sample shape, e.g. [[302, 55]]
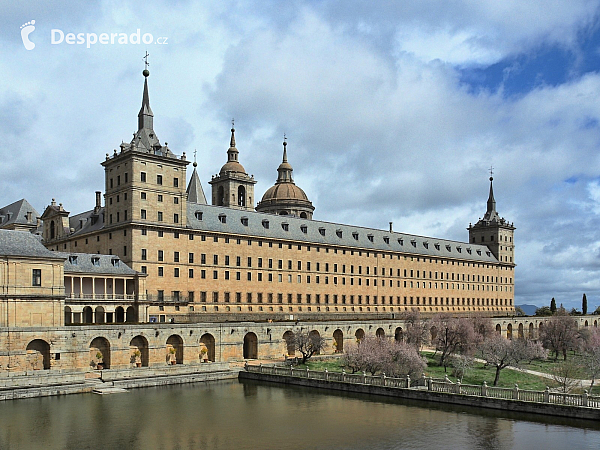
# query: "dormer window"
[[338, 233], [479, 252], [413, 243], [437, 246], [370, 237], [322, 231], [459, 249], [426, 244], [469, 250], [386, 239], [448, 248], [285, 226], [265, 224], [244, 221], [401, 241], [73, 259], [355, 236], [304, 229], [488, 253], [222, 218], [95, 261], [198, 215], [115, 262]]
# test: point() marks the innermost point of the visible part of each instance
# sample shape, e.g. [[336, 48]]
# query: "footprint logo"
[[26, 30]]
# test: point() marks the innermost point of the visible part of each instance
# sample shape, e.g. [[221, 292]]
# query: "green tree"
[[553, 305], [584, 305], [543, 311]]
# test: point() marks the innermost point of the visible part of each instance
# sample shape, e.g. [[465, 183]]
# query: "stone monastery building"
[[230, 260]]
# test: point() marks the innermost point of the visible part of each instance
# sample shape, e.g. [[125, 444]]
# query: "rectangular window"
[[160, 255], [143, 179], [190, 273], [176, 257], [175, 218], [158, 179], [191, 258], [160, 198], [160, 271], [144, 254], [160, 216], [144, 269], [175, 182], [203, 258], [36, 279], [176, 272]]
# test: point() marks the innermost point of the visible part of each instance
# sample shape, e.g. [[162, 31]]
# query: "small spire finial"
[[232, 141], [146, 72], [195, 163], [491, 173], [284, 148]]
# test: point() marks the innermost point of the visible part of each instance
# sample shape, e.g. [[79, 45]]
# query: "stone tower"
[[144, 181], [285, 198], [494, 231], [232, 186]]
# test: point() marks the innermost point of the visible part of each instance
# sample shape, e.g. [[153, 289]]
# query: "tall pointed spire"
[[195, 193], [232, 153], [285, 169], [491, 203], [145, 116]]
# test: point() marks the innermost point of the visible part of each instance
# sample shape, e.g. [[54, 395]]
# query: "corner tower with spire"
[[494, 231], [232, 186]]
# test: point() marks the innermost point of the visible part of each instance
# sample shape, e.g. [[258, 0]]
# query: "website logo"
[[26, 30]]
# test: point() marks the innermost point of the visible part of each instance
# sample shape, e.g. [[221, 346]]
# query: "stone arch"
[[100, 352], [338, 339], [399, 334], [315, 334], [119, 314], [38, 355], [531, 330], [130, 315], [250, 346], [595, 323], [509, 331], [288, 337], [498, 329], [303, 215], [241, 196], [380, 333], [207, 341], [586, 324], [175, 349], [68, 315], [433, 334], [521, 334], [139, 344], [360, 334], [99, 314], [88, 314]]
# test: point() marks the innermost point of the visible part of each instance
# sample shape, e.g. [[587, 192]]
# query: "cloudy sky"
[[394, 111]]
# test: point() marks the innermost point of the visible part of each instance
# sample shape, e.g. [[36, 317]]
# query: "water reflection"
[[249, 415]]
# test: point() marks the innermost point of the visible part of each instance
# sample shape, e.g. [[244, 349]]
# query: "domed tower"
[[285, 198], [232, 186], [495, 232]]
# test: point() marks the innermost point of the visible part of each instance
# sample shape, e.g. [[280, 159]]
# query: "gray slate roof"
[[23, 243], [82, 222], [16, 213], [82, 263], [334, 234]]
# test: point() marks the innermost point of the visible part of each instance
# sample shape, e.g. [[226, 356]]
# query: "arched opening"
[[586, 324], [68, 315], [595, 323], [303, 215], [398, 334], [139, 351], [509, 331], [314, 334], [521, 334], [283, 213], [241, 196], [130, 315], [531, 330], [87, 314], [207, 342], [540, 328], [498, 329], [380, 333], [338, 341], [99, 314], [250, 346], [100, 353], [174, 349], [288, 337], [433, 334], [360, 334], [119, 314], [52, 230], [220, 196], [38, 355]]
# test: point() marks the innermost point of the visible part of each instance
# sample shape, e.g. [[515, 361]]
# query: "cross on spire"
[[145, 58], [232, 123], [195, 155], [491, 171]]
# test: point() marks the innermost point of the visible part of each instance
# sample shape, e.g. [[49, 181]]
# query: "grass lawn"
[[477, 375]]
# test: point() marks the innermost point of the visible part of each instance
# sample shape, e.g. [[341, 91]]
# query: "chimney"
[[28, 216], [98, 201], [391, 230]]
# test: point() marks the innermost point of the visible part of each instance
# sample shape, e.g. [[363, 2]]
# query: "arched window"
[[220, 196], [241, 196], [52, 232]]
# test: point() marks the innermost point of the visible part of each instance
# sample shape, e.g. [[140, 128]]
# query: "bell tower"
[[494, 231]]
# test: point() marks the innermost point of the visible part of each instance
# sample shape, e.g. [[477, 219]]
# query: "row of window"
[[143, 179]]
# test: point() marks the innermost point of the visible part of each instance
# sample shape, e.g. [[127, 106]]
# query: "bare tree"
[[417, 330], [500, 352], [306, 343], [483, 326], [454, 335], [590, 360], [461, 364], [560, 334], [404, 359], [566, 374]]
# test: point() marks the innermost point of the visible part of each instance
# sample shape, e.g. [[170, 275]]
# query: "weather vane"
[[284, 137], [491, 171], [194, 155], [232, 123], [145, 58]]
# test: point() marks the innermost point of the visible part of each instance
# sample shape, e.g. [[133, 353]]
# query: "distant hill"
[[529, 310]]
